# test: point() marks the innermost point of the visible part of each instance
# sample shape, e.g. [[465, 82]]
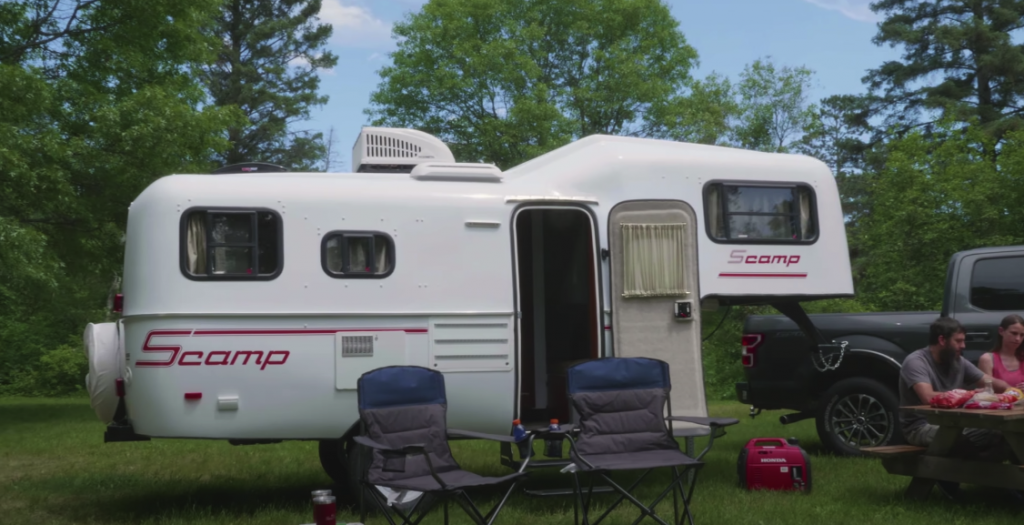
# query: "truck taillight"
[[750, 344]]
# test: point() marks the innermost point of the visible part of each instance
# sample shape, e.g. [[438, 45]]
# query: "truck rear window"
[[998, 284], [760, 213], [231, 244]]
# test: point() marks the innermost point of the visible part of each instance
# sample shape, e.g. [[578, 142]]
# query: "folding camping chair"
[[623, 425], [402, 410]]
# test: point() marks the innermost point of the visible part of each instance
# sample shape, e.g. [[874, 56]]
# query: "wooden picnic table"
[[936, 463]]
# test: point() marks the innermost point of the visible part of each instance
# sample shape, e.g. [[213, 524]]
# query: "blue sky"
[[831, 37]]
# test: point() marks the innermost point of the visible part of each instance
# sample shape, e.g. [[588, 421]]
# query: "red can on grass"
[[324, 510], [774, 464]]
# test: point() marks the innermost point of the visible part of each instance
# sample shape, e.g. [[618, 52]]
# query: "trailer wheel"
[[334, 461], [858, 412]]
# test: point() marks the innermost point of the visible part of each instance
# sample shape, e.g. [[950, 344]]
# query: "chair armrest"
[[407, 449], [713, 422], [563, 430], [454, 432]]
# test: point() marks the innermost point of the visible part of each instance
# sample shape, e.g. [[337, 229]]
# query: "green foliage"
[[267, 66], [938, 194], [960, 60], [703, 116], [504, 82], [97, 100], [773, 107]]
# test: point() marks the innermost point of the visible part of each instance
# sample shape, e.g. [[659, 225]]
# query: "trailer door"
[[654, 295]]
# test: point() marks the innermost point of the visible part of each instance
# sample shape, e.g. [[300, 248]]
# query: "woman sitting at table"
[[1004, 361]]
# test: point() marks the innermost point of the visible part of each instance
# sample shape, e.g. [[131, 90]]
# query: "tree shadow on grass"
[[191, 501]]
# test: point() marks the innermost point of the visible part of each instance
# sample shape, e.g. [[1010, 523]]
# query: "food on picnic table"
[[1016, 392], [988, 405], [951, 399]]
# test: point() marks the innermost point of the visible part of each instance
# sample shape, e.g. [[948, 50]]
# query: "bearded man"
[[938, 368]]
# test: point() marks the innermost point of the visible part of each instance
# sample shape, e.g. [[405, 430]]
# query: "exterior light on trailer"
[[193, 396], [118, 303], [119, 385]]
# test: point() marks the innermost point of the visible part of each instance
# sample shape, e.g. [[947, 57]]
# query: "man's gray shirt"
[[919, 367]]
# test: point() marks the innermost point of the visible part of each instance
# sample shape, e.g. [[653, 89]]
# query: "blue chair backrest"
[[619, 373], [405, 405], [621, 405], [400, 386]]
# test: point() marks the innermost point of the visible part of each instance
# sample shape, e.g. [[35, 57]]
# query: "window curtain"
[[380, 246], [196, 243], [715, 212], [806, 231], [653, 260], [356, 256], [334, 254]]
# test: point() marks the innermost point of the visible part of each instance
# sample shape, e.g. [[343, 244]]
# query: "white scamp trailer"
[[254, 301]]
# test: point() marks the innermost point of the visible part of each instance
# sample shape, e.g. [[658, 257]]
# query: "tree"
[[934, 197], [331, 158], [268, 66], [967, 47], [504, 82], [773, 107], [97, 100], [839, 135], [702, 116]]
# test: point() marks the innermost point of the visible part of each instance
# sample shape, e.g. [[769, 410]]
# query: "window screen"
[[998, 284], [752, 213], [358, 254], [231, 244], [652, 256]]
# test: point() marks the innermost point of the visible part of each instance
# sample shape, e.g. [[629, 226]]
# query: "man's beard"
[[947, 356]]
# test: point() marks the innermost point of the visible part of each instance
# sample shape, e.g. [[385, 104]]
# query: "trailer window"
[[652, 256], [358, 254], [764, 214], [998, 284], [231, 244]]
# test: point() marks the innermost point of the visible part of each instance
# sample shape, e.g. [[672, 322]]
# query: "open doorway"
[[558, 303]]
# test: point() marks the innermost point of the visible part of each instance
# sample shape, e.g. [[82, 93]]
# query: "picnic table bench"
[[927, 465]]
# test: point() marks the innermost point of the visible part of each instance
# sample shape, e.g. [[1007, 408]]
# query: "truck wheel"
[[858, 412]]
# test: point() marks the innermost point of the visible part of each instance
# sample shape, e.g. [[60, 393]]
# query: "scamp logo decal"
[[740, 257], [173, 356], [761, 271]]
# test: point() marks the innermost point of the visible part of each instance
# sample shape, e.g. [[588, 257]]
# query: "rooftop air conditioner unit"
[[392, 150]]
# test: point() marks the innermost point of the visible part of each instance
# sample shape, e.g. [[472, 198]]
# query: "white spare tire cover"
[[105, 349]]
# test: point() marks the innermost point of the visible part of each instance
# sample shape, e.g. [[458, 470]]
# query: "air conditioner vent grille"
[[389, 147]]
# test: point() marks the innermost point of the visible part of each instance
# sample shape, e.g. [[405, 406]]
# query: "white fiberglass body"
[[462, 282]]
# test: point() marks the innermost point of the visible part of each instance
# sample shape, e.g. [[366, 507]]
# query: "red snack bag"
[[951, 399], [988, 405], [1007, 398]]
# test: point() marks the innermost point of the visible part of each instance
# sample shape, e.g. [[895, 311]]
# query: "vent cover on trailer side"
[[388, 150], [357, 345]]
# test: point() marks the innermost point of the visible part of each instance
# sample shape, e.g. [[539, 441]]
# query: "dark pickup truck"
[[855, 403]]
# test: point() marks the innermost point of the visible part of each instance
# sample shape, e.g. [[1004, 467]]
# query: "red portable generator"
[[774, 464]]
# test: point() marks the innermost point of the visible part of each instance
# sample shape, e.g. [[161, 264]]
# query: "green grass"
[[54, 468]]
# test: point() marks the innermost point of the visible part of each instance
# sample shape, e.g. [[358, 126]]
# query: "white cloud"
[[355, 26], [856, 9]]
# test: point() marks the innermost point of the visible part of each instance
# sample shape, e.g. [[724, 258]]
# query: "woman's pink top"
[[999, 371]]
